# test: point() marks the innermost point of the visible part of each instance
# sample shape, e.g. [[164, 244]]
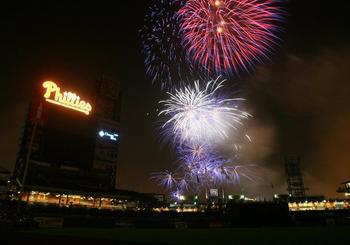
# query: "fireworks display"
[[201, 168], [197, 118], [201, 113], [166, 179], [201, 39], [226, 36], [161, 41]]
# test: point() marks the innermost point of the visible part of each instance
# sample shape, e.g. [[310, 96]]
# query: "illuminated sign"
[[111, 136], [66, 99]]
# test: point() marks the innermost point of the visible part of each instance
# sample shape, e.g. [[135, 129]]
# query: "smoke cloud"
[[301, 107]]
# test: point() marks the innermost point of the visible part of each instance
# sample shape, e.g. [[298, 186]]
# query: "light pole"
[[26, 165]]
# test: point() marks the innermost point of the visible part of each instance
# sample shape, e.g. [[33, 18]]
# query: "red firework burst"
[[225, 36]]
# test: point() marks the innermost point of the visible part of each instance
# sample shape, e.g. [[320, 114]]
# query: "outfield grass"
[[312, 235]]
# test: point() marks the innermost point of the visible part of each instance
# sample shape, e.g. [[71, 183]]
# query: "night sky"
[[300, 99]]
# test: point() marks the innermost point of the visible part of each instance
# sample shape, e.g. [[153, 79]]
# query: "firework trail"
[[161, 41], [166, 179], [198, 172], [198, 114], [227, 36], [218, 37]]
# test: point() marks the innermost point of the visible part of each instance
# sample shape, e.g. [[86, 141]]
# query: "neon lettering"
[[66, 99]]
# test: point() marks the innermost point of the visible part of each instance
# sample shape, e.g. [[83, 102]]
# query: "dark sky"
[[300, 100]]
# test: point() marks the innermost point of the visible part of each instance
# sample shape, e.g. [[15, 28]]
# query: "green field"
[[314, 235]]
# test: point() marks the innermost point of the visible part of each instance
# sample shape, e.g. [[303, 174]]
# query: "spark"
[[166, 179], [226, 36], [201, 114], [211, 169], [164, 57]]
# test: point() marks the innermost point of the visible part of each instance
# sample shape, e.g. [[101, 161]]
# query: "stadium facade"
[[69, 146]]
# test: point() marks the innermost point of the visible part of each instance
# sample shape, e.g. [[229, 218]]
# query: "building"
[[345, 188], [108, 105], [70, 140], [317, 205], [5, 176], [294, 176]]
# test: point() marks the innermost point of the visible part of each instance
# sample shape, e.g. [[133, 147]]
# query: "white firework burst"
[[199, 114]]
